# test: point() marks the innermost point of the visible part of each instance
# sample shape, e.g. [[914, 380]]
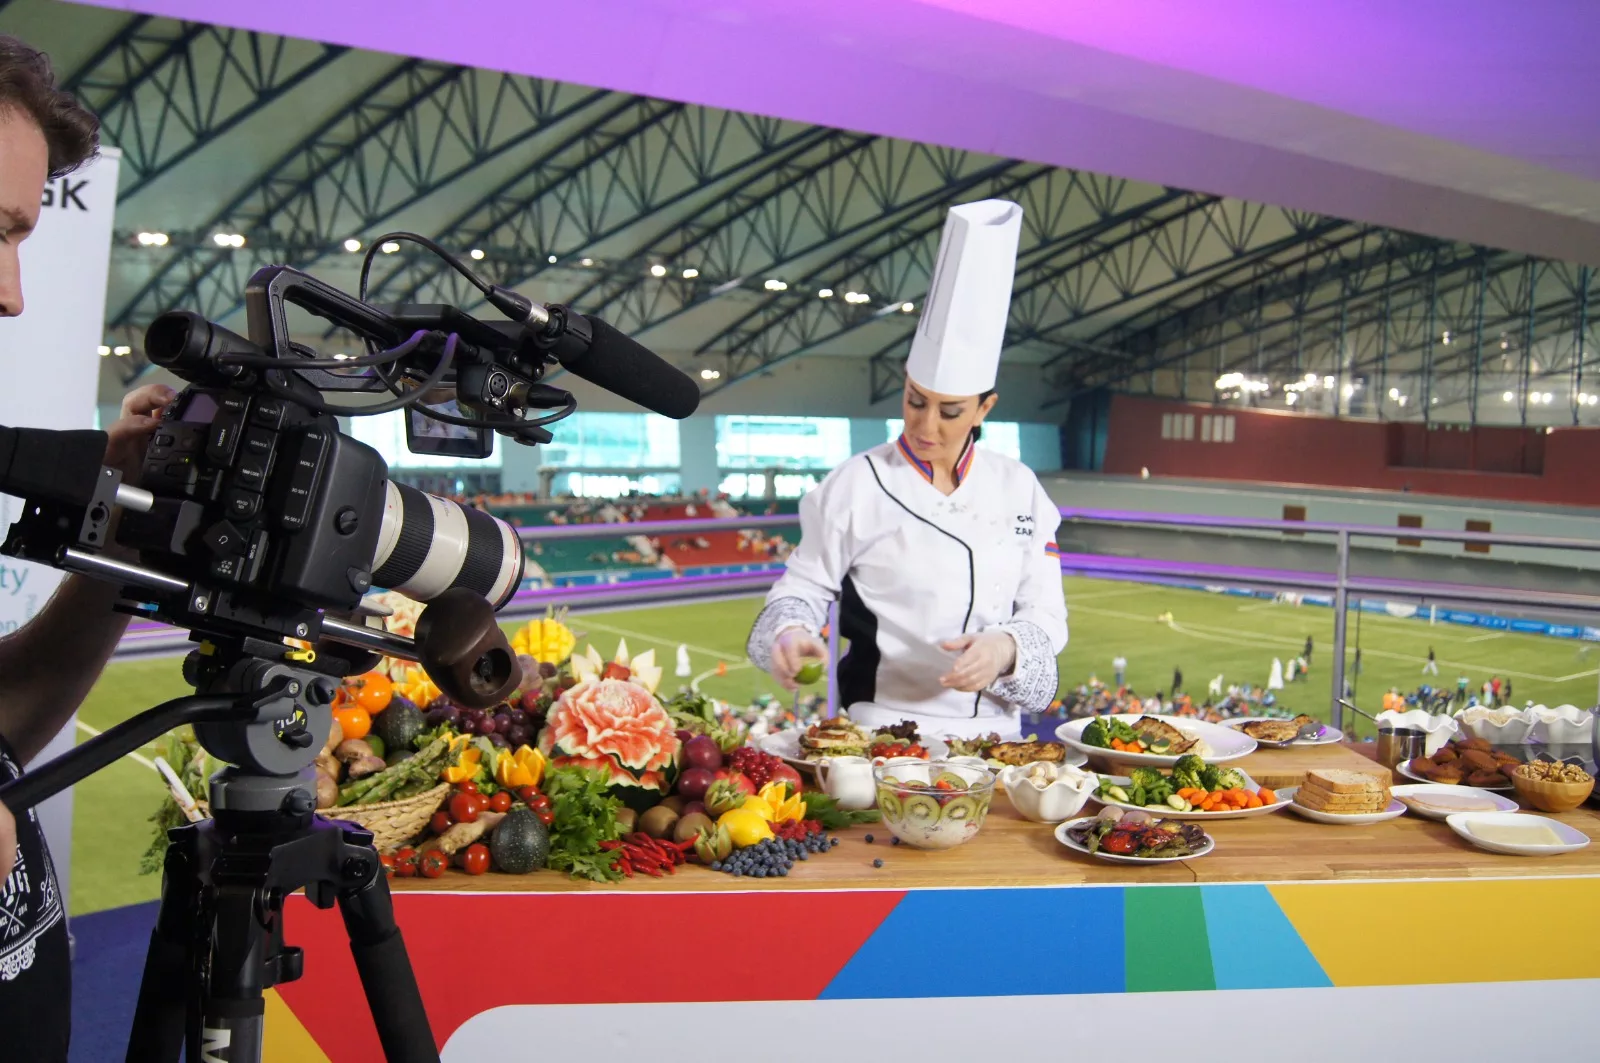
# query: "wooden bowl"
[[1551, 796]]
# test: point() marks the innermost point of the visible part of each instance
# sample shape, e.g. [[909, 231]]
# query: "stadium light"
[[906, 308], [389, 247], [1328, 381], [550, 259], [658, 270], [1402, 400], [824, 293], [690, 274], [586, 263], [352, 245], [476, 254], [121, 351], [228, 239], [1446, 337], [103, 350], [709, 374], [153, 239], [1506, 397], [1228, 381], [773, 284], [1394, 393], [1289, 397]]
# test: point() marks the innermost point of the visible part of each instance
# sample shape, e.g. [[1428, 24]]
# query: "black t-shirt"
[[35, 967]]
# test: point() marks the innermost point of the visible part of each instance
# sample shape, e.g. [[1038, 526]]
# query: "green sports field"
[[1209, 634]]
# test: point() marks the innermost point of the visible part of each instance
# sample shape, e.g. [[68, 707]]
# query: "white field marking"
[[1486, 638], [1125, 592], [657, 640], [1263, 640], [1259, 607], [146, 761], [709, 673]]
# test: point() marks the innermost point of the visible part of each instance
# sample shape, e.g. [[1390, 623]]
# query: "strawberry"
[[616, 671]]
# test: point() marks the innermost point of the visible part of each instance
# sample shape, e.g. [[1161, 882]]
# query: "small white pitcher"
[[848, 780]]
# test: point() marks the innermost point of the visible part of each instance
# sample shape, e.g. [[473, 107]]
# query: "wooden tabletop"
[[1010, 851]]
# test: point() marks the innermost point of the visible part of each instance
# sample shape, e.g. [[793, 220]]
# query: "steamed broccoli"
[[1209, 776], [1229, 779], [1095, 734], [1187, 772], [1151, 780]]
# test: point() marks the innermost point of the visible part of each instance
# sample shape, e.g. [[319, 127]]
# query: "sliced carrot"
[[1268, 797], [1254, 802]]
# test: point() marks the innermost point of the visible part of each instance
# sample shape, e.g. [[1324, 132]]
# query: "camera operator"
[[48, 666]]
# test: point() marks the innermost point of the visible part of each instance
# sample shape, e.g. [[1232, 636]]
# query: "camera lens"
[[429, 544]]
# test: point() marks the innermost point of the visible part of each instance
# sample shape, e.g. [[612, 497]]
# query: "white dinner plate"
[[785, 745], [1404, 768], [1413, 794], [1168, 812], [1326, 737], [1222, 743], [1396, 809], [1122, 858], [1572, 839]]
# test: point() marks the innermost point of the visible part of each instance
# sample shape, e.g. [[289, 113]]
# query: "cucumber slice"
[[1160, 746], [1177, 804], [1117, 793]]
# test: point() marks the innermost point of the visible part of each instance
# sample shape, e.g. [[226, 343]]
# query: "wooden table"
[[1010, 851]]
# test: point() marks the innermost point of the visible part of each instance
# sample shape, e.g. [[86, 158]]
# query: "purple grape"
[[519, 735], [499, 740], [502, 722], [518, 715], [440, 702], [547, 670], [484, 725]]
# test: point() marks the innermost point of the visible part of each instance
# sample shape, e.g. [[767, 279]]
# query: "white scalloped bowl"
[[1439, 729], [1562, 725], [1501, 727]]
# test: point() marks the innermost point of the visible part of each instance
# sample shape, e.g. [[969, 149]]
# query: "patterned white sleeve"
[[779, 615], [1035, 678]]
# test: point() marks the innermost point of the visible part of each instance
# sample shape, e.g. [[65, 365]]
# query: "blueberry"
[[783, 872], [869, 839], [877, 863], [895, 840], [716, 865], [761, 872]]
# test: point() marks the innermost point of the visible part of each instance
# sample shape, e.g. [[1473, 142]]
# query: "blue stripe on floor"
[[107, 962]]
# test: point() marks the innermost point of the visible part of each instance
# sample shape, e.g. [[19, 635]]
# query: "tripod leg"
[[233, 1010], [381, 960], [167, 984]]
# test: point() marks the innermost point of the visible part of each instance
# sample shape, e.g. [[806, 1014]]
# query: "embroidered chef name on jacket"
[[1025, 525]]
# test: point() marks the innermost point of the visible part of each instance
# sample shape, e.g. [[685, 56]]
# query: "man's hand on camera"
[[8, 842], [141, 410]]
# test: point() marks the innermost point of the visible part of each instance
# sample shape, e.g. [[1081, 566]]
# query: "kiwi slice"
[[890, 805], [952, 778], [961, 808], [921, 809]]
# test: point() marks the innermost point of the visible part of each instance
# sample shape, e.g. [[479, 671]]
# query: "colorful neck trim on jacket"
[[958, 474]]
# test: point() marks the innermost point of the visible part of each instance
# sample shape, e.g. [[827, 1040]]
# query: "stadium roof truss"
[[740, 243]]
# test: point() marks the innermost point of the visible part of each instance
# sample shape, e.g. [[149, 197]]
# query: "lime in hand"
[[809, 673]]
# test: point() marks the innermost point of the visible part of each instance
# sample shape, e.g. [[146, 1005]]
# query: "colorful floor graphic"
[[617, 948]]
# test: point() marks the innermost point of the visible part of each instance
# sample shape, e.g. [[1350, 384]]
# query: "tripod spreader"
[[73, 767]]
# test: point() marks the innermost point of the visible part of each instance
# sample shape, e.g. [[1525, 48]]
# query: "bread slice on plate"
[[1320, 800], [1340, 781]]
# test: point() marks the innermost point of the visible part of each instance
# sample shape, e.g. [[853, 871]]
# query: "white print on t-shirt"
[[30, 903]]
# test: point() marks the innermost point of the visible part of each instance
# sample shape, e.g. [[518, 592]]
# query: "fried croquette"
[[1475, 761], [1486, 778]]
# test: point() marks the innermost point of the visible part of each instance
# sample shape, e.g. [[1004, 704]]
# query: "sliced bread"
[[1315, 797], [1340, 781]]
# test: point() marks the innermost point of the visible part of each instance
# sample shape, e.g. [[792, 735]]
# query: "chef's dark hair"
[[977, 429]]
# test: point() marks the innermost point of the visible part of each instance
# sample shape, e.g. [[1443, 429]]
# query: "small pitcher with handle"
[[848, 780]]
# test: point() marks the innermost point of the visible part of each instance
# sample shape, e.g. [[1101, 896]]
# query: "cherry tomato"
[[387, 860], [540, 803], [500, 802], [475, 860], [546, 817], [1119, 842], [354, 721], [468, 787], [440, 822], [405, 862], [372, 691], [465, 808], [433, 864], [528, 793]]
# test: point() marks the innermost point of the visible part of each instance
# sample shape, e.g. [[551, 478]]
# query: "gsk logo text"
[[64, 193]]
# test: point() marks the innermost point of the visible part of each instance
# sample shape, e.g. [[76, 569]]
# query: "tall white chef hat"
[[956, 350]]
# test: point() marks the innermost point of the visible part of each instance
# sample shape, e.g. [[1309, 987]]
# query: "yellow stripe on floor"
[[286, 1039]]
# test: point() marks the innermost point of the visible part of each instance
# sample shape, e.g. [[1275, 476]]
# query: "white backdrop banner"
[[51, 368]]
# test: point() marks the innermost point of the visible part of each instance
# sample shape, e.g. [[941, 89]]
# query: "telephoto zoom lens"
[[430, 544]]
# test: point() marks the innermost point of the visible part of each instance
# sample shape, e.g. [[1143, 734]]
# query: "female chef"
[[941, 554]]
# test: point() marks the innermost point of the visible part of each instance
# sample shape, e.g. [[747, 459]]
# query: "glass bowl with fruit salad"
[[932, 804]]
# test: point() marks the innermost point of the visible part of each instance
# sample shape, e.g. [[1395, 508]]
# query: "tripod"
[[218, 940]]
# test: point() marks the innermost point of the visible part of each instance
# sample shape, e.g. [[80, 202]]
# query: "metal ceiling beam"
[[409, 133], [653, 157], [164, 89]]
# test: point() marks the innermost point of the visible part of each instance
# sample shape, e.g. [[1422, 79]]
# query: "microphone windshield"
[[627, 368]]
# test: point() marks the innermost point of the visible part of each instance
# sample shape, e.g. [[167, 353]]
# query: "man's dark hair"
[[28, 86]]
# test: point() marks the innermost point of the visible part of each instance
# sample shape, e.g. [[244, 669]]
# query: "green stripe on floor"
[[1165, 944]]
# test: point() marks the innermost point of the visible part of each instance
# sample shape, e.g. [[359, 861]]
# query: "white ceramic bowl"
[[1439, 729], [1501, 727], [1061, 795], [1563, 725]]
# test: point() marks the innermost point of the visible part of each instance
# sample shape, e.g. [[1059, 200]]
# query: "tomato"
[[500, 802], [1119, 841], [387, 860], [466, 807], [541, 803], [616, 671], [372, 691], [354, 721], [405, 862], [440, 822], [468, 787], [475, 861], [434, 863], [546, 817], [528, 793]]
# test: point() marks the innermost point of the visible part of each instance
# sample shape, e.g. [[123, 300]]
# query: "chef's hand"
[[8, 842], [791, 650], [984, 658], [127, 438]]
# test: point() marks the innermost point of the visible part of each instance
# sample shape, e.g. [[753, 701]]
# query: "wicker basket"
[[393, 823]]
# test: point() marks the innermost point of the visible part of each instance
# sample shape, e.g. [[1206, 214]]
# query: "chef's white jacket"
[[912, 567]]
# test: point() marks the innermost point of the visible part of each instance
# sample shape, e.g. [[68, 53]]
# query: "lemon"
[[745, 825]]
